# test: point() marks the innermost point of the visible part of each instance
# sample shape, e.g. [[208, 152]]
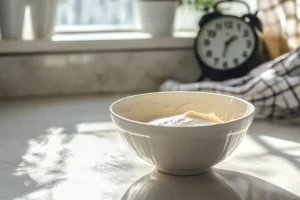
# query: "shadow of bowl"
[[156, 186]]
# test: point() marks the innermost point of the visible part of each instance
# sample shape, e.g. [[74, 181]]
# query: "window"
[[113, 15], [119, 15], [100, 14]]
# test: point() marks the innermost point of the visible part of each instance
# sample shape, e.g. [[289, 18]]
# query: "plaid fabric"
[[273, 87], [281, 19]]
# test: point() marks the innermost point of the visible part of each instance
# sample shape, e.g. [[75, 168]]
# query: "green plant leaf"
[[204, 4]]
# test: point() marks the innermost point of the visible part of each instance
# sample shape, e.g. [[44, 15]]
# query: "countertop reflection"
[[214, 185], [157, 185]]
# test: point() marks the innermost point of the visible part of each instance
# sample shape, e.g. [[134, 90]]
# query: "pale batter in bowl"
[[190, 118]]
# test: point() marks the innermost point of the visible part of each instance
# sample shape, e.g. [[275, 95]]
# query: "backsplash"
[[95, 72]]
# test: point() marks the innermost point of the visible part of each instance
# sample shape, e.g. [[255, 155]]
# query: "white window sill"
[[85, 42]]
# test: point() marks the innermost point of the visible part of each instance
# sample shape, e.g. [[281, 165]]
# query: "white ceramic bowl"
[[182, 150]]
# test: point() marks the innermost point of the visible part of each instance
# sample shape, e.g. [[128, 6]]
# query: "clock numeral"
[[236, 61], [228, 24], [239, 26], [225, 65], [245, 54], [249, 43], [211, 33], [216, 61], [206, 42], [209, 53], [219, 26], [246, 33]]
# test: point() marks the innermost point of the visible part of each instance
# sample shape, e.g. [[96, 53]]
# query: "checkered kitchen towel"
[[281, 22], [273, 87]]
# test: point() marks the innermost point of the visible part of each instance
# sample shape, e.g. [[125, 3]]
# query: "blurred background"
[[96, 46]]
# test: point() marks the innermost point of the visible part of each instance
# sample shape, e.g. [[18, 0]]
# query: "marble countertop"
[[67, 148]]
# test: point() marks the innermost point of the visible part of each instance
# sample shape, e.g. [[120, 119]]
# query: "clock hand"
[[232, 39], [227, 44], [225, 49]]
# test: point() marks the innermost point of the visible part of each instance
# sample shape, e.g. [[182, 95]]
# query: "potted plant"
[[12, 14], [157, 16], [189, 12], [43, 16]]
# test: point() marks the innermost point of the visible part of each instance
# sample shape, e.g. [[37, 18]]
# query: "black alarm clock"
[[226, 44]]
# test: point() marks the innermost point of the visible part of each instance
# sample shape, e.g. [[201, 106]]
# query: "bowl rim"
[[190, 92]]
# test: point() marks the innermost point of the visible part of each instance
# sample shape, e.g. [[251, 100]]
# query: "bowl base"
[[183, 172]]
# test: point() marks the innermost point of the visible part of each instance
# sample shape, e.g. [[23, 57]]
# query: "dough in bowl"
[[190, 118]]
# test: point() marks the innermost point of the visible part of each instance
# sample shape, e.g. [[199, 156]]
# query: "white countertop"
[[67, 149]]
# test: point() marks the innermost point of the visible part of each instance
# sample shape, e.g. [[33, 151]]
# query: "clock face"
[[226, 42]]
